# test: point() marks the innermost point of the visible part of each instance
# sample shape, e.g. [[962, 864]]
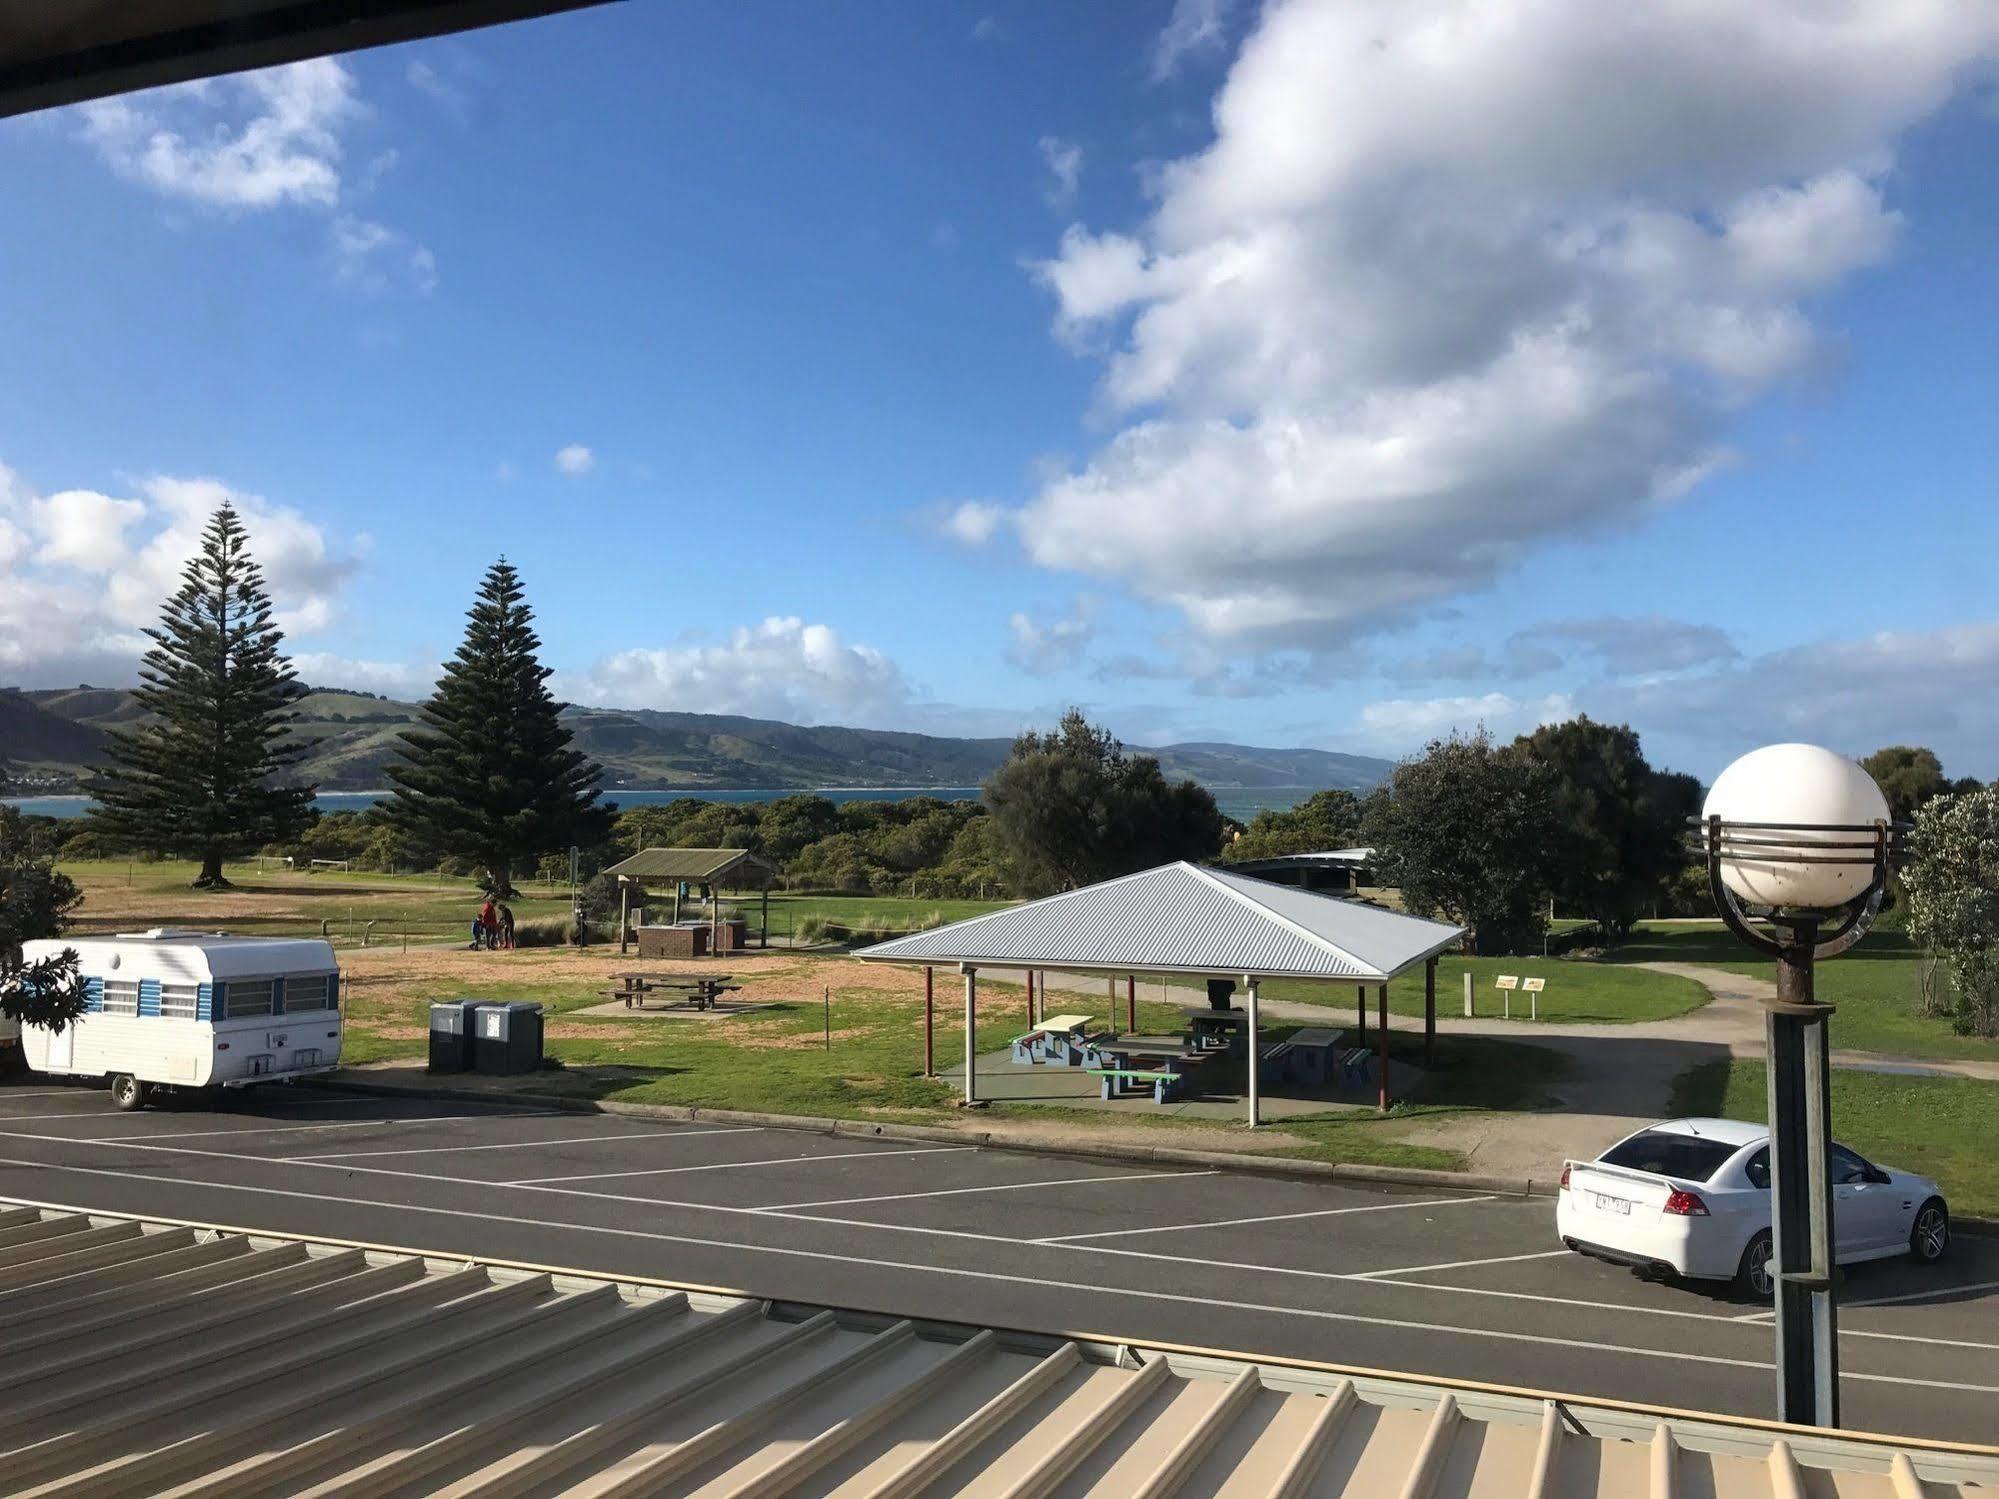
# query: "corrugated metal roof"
[[149, 1358], [1331, 858], [61, 51], [1188, 919], [694, 864]]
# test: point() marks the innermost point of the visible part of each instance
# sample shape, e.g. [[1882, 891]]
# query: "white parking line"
[[1064, 1181], [651, 1134], [1498, 1259], [280, 1129], [1181, 1228], [7, 1093], [1935, 1291], [781, 1160], [545, 1185], [1312, 1313]]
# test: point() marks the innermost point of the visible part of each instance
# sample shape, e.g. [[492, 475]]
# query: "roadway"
[[1416, 1280]]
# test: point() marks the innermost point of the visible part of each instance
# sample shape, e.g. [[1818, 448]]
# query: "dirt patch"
[[752, 1040]]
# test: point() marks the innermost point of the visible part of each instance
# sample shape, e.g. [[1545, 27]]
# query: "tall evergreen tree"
[[197, 778], [490, 775]]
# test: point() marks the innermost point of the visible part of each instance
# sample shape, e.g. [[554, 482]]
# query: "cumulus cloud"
[[1195, 26], [1929, 687], [782, 668], [395, 679], [1616, 646], [1455, 280], [83, 573], [574, 460], [269, 139], [1041, 649], [973, 522], [1064, 163]]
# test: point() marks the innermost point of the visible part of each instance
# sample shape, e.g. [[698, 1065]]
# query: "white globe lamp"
[[1799, 846], [1798, 823]]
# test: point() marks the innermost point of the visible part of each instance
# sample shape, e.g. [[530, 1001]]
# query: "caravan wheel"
[[127, 1092]]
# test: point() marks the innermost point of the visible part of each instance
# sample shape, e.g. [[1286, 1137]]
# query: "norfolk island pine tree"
[[490, 775], [198, 777]]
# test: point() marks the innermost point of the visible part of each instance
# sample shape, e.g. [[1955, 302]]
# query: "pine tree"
[[198, 777], [490, 775]]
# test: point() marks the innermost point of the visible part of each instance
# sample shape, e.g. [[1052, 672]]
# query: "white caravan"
[[185, 1010]]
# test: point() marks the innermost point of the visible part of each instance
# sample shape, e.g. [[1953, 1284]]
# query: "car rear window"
[[1664, 1153]]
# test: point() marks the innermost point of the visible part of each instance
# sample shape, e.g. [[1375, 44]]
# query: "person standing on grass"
[[506, 926], [490, 919], [478, 933]]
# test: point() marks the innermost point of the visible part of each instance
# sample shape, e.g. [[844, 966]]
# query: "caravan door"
[[62, 1045]]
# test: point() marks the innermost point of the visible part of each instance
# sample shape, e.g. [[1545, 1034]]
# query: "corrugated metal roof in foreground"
[[146, 1358], [1188, 919]]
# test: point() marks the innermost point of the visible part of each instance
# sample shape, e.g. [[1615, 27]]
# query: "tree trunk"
[[501, 872], [210, 877]]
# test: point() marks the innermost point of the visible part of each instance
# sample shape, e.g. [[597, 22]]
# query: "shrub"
[[542, 931], [811, 929]]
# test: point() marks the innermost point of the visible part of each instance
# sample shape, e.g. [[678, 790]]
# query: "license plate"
[[1612, 1205]]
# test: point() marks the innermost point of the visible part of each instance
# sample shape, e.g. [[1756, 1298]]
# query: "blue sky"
[[1320, 372]]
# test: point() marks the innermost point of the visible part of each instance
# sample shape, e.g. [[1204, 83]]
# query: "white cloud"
[[1044, 649], [391, 678], [1064, 163], [782, 668], [1402, 726], [1455, 280], [973, 522], [1618, 646], [269, 139], [1930, 687], [986, 29], [575, 460], [446, 94], [83, 573], [1194, 26], [252, 141], [371, 256]]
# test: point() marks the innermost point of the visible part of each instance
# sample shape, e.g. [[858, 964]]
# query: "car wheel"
[[1929, 1239], [127, 1092], [1754, 1277]]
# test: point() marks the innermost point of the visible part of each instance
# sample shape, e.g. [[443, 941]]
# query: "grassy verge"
[[844, 1040], [1579, 991], [1939, 1126], [1877, 986]]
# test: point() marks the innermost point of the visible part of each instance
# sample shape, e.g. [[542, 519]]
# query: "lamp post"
[[1799, 838]]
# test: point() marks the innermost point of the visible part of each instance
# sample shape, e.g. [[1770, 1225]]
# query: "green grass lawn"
[[778, 1060], [1876, 985], [1579, 990], [1942, 1127], [861, 913]]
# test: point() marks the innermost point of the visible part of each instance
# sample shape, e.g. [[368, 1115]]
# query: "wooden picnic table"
[[702, 989]]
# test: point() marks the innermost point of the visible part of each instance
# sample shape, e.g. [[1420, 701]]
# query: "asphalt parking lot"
[[1394, 1278]]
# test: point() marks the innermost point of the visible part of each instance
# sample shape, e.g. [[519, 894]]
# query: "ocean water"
[[1241, 803]]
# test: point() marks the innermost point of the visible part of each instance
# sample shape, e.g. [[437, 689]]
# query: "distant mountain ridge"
[[61, 733]]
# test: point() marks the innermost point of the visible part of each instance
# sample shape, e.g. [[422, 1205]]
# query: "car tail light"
[[1685, 1204], [1565, 1176]]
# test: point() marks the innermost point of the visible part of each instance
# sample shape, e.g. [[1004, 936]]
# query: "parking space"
[[1469, 1285]]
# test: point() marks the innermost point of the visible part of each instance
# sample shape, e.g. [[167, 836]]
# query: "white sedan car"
[[1691, 1197]]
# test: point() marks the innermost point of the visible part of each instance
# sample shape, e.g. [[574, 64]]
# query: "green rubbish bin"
[[451, 1034], [506, 1037]]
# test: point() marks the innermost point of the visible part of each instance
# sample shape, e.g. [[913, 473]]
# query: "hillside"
[[353, 734]]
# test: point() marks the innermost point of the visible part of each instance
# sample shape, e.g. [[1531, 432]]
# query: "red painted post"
[[1361, 991], [1430, 1013], [929, 1022], [1030, 999], [1131, 1003], [1382, 1041]]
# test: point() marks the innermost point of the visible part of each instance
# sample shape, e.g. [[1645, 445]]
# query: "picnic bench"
[[699, 991], [1127, 1082], [1060, 1039], [1219, 1030], [1309, 1058]]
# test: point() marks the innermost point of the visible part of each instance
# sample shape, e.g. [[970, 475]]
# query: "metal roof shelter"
[[710, 868], [63, 51], [163, 1357], [1188, 919], [1345, 864]]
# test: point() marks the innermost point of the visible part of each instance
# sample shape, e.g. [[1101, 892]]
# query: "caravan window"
[[305, 993], [121, 996], [248, 997], [179, 1001]]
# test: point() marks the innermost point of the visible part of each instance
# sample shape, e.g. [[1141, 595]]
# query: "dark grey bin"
[[506, 1037], [451, 1034]]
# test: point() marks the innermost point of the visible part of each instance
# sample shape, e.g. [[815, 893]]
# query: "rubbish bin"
[[451, 1035], [507, 1037]]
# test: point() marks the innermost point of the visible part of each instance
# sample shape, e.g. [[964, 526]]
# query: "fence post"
[[1468, 990]]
